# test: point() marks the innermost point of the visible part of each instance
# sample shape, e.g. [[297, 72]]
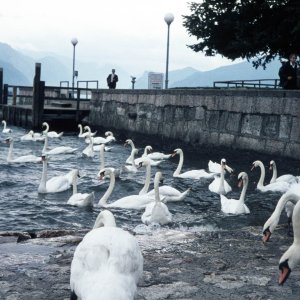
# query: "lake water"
[[22, 208]]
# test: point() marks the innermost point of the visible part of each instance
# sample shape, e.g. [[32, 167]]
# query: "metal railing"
[[253, 83]]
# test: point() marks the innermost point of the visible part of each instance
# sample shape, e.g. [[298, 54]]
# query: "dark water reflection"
[[22, 208]]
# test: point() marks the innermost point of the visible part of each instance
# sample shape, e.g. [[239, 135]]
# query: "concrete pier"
[[266, 121]]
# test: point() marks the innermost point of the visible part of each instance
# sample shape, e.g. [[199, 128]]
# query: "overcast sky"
[[131, 34]]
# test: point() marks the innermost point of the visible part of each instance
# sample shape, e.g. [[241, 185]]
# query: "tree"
[[260, 29]]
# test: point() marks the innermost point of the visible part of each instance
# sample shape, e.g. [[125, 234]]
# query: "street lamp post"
[[169, 18], [74, 42]]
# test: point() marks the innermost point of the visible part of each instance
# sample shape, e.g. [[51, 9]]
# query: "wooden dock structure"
[[30, 106]]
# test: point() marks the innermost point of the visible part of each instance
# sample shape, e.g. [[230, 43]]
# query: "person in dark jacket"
[[288, 73], [112, 79]]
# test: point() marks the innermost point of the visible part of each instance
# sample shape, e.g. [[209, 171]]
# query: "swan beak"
[[266, 235], [230, 170], [173, 154], [270, 168], [253, 166], [101, 176], [284, 272]]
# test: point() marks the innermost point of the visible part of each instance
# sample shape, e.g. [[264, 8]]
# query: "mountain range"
[[18, 69]]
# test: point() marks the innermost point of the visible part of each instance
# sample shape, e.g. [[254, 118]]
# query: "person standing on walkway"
[[112, 79], [288, 73]]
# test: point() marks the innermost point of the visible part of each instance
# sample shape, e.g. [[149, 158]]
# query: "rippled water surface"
[[22, 208]]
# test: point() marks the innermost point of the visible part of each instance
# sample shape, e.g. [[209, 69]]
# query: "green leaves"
[[262, 29]]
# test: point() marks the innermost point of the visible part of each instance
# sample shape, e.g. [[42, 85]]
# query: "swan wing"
[[82, 200], [233, 206], [214, 167], [132, 202], [57, 184]]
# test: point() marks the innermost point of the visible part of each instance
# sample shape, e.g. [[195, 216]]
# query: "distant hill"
[[18, 69], [239, 71]]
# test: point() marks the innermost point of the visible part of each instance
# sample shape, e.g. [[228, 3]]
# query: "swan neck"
[[274, 176], [156, 190], [147, 181], [42, 186], [103, 200], [243, 193], [262, 174], [180, 164], [80, 129], [10, 151], [101, 153], [45, 143], [47, 128], [74, 184]]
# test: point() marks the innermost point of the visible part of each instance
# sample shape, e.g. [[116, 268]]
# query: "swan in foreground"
[[20, 159], [169, 193], [128, 202], [5, 129], [57, 183], [277, 186], [157, 212], [292, 197], [193, 174], [107, 264], [233, 206], [57, 150], [86, 133], [79, 199], [51, 134], [291, 258], [219, 184], [289, 178]]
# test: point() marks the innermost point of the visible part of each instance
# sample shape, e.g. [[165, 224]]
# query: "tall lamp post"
[[169, 18], [74, 42]]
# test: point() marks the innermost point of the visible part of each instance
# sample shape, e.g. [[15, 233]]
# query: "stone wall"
[[266, 121]]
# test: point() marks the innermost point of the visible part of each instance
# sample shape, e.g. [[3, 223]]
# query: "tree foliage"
[[260, 29]]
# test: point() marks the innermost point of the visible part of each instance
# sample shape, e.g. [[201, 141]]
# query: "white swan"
[[131, 144], [89, 150], [101, 140], [79, 199], [233, 206], [292, 196], [5, 129], [128, 202], [86, 133], [55, 184], [214, 167], [51, 134], [279, 186], [107, 264], [158, 155], [131, 168], [20, 159], [28, 136], [157, 212], [289, 178], [117, 172], [219, 185], [169, 193], [145, 154], [291, 258], [193, 174], [57, 150]]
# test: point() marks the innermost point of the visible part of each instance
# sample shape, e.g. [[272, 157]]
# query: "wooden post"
[[5, 94], [77, 105], [38, 98], [1, 85], [14, 95]]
